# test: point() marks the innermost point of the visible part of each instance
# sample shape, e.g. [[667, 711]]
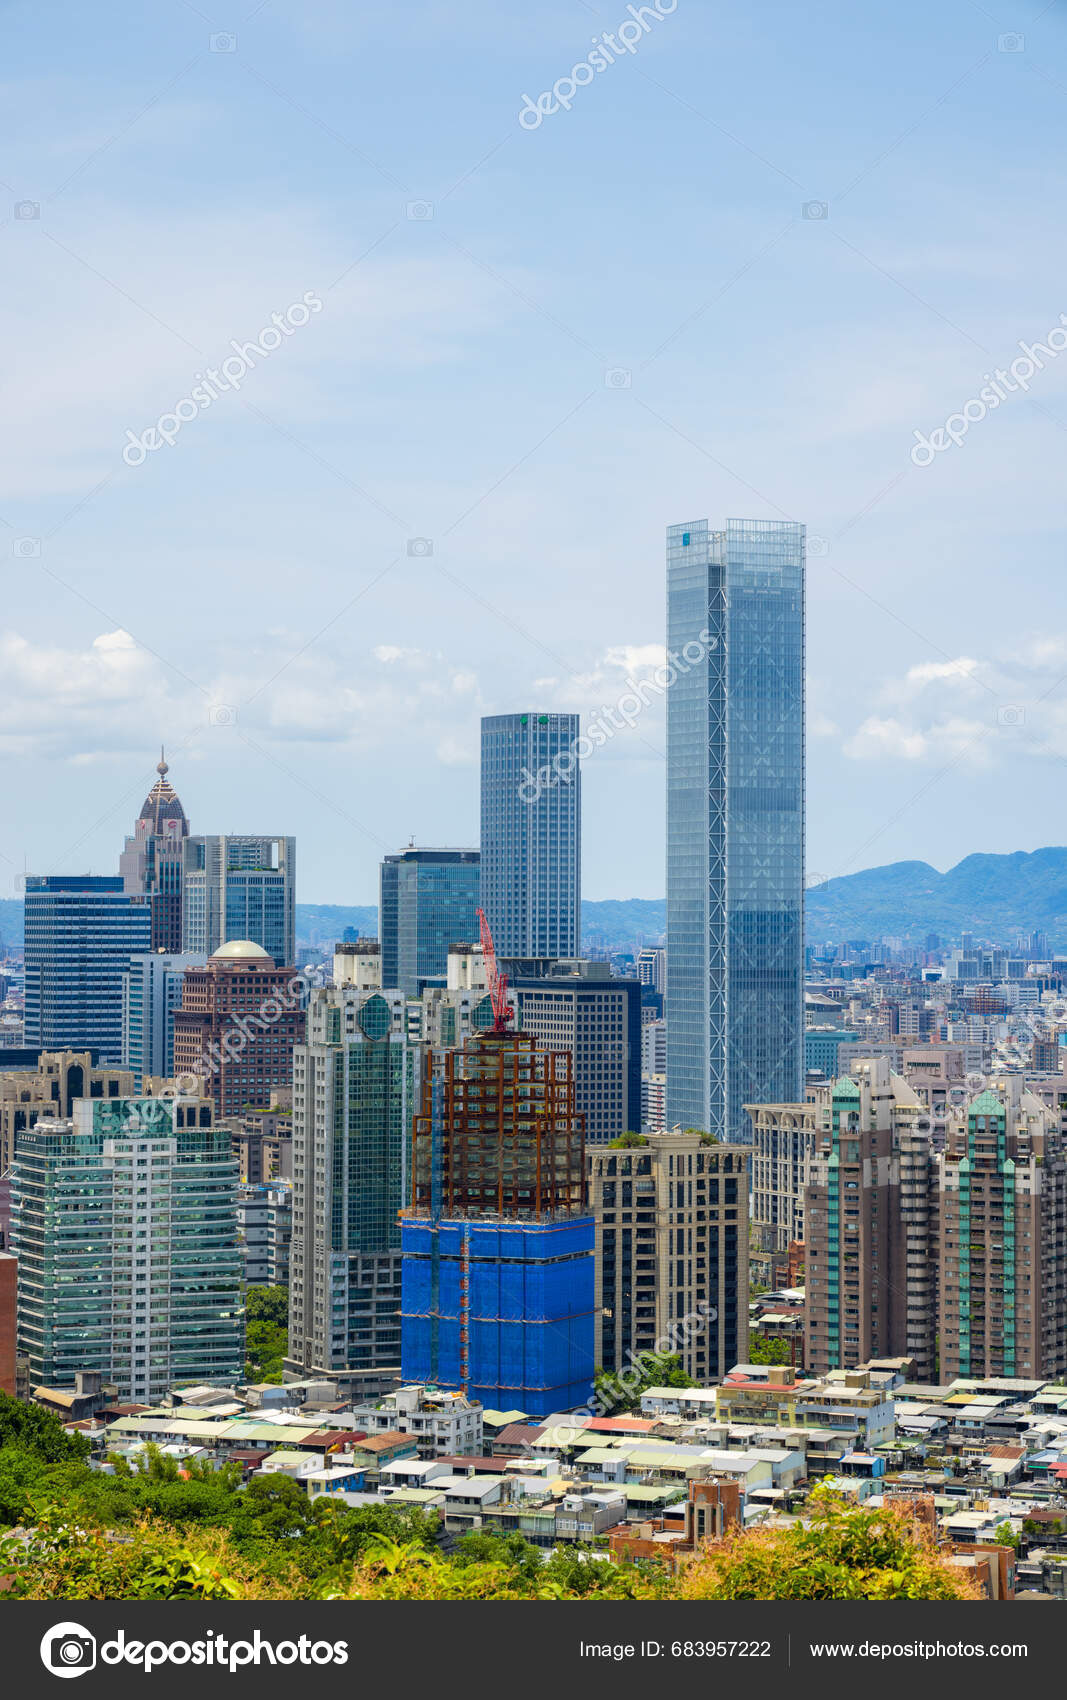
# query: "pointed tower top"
[[162, 803]]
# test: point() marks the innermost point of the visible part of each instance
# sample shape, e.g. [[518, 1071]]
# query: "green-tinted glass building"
[[354, 1093], [124, 1222]]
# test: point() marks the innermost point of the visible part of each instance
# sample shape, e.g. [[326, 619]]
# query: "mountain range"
[[995, 897]]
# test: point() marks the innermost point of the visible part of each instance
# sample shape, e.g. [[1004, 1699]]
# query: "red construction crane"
[[498, 983]]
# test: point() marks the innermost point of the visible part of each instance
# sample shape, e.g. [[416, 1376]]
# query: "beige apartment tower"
[[671, 1252]]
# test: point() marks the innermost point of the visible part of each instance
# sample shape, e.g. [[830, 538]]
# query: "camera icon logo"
[[1010, 714], [818, 546], [27, 209], [420, 209], [816, 209], [420, 545], [223, 42], [68, 1650], [221, 714], [618, 378], [25, 548], [1011, 43]]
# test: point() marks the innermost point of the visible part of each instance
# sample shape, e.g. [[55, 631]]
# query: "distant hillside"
[[995, 897], [616, 924], [325, 923]]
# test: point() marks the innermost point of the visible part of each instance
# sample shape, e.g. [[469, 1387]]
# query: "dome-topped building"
[[242, 950]]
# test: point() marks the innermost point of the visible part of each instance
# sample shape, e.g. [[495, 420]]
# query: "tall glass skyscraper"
[[239, 887], [429, 901], [355, 1086], [531, 833], [81, 931], [735, 822]]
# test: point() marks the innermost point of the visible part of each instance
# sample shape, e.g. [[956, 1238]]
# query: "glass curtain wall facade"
[[428, 902], [124, 1222], [531, 833], [355, 1087], [81, 932], [735, 822], [240, 888]]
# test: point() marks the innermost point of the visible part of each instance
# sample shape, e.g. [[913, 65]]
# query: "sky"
[[742, 265]]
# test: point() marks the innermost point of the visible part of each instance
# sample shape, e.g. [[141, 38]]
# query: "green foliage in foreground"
[[267, 1332], [160, 1531]]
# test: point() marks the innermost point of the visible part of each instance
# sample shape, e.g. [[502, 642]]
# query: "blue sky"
[[536, 348]]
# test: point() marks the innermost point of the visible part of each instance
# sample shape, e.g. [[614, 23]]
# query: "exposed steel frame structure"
[[509, 1143]]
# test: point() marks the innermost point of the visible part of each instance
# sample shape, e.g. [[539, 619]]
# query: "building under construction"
[[498, 1273]]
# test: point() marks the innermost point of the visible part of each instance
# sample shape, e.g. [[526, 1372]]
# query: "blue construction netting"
[[529, 1312]]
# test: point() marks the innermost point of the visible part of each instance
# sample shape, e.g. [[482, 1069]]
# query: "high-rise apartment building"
[[735, 821], [428, 901], [852, 1304], [671, 1253], [652, 967], [1002, 1240], [355, 1090], [783, 1144], [124, 1222], [577, 1006], [498, 1294], [531, 833], [81, 931], [151, 992], [235, 1029], [151, 863], [653, 1103], [240, 887], [955, 1257]]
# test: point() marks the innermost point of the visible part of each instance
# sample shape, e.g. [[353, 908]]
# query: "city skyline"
[[465, 458]]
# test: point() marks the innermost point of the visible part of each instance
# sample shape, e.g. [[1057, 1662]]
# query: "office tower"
[[428, 901], [672, 1253], [124, 1222], [531, 833], [50, 1088], [652, 968], [576, 1006], [498, 1241], [236, 1026], [823, 1053], [735, 821], [151, 992], [355, 1085], [81, 931], [240, 888], [151, 863], [1002, 1240]]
